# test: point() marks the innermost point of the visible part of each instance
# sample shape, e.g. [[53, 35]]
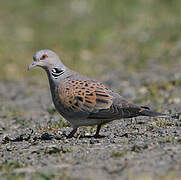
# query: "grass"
[[160, 123], [154, 91], [51, 110], [53, 127], [102, 34], [171, 175], [39, 174], [53, 150], [12, 113], [166, 140], [120, 153], [10, 165]]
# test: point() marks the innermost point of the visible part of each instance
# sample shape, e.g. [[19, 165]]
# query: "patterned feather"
[[86, 95]]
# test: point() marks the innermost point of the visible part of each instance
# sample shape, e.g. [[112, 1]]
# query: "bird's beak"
[[34, 64]]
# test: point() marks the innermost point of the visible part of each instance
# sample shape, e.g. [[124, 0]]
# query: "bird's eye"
[[43, 57]]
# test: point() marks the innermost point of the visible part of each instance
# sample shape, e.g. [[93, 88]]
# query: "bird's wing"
[[120, 108], [94, 100], [84, 95]]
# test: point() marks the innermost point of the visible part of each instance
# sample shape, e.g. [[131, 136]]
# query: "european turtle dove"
[[81, 100]]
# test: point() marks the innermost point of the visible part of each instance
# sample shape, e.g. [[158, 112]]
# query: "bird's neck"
[[52, 82], [55, 81]]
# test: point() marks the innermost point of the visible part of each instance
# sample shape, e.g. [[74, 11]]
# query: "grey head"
[[50, 62]]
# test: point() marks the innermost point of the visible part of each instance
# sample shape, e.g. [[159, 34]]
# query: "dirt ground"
[[134, 47], [33, 142]]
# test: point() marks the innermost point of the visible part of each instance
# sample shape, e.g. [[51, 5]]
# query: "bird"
[[84, 101]]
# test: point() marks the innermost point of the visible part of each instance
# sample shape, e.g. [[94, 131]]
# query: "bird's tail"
[[145, 111]]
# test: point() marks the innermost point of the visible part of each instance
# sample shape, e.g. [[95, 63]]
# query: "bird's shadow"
[[89, 136], [85, 136], [79, 136]]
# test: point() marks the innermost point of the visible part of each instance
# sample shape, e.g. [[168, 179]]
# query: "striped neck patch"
[[56, 72]]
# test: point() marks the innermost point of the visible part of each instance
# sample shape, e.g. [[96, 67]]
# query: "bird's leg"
[[97, 131], [72, 133]]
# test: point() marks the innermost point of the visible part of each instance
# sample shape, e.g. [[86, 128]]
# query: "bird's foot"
[[69, 136], [72, 133]]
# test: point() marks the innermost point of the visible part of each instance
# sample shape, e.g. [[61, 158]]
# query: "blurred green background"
[[90, 36]]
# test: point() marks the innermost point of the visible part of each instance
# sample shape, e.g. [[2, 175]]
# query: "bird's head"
[[45, 59], [49, 61]]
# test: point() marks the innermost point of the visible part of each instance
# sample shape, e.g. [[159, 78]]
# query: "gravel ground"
[[33, 141]]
